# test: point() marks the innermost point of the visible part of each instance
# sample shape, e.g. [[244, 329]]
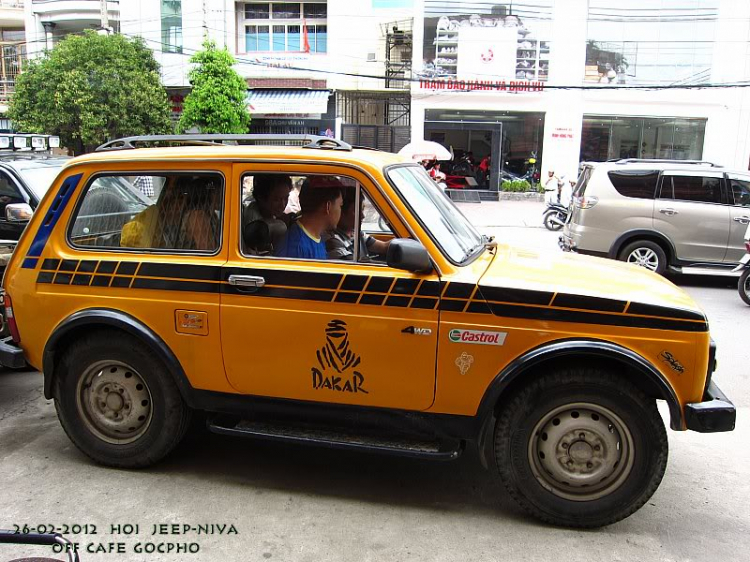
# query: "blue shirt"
[[299, 244]]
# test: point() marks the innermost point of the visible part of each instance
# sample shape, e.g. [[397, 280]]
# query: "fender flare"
[[640, 233], [578, 348], [107, 317]]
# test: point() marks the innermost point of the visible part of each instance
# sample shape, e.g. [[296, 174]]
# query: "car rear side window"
[[740, 192], [699, 189], [172, 212], [640, 184]]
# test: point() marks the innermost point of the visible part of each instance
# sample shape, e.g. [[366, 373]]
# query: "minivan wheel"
[[580, 448], [646, 254], [117, 403], [744, 286]]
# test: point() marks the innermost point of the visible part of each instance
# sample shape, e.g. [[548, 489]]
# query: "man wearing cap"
[[320, 200]]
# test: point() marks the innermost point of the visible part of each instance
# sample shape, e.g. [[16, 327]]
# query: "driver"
[[340, 241]]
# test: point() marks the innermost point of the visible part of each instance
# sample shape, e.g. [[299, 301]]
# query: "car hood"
[[558, 280]]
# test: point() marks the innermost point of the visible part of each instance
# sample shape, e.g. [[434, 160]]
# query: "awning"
[[288, 101]]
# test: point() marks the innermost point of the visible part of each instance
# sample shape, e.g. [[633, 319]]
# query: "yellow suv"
[[155, 281]]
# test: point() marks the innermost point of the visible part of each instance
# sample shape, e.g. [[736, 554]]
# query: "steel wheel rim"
[[645, 257], [581, 451], [114, 402]]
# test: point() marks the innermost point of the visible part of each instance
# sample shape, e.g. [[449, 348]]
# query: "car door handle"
[[669, 212], [742, 220], [251, 281]]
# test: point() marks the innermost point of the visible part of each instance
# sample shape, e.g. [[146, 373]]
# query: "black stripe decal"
[[589, 303], [654, 310], [379, 284], [520, 296], [452, 306], [106, 267], [172, 285], [50, 264], [429, 289], [179, 271], [405, 286], [68, 265], [45, 277], [459, 290], [281, 293], [555, 315]]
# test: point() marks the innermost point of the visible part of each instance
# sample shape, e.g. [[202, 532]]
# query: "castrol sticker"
[[477, 336]]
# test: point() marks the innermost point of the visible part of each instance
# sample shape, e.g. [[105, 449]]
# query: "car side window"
[[740, 192], [9, 193], [698, 189], [172, 212], [314, 217]]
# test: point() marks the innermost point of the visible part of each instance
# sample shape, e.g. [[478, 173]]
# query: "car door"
[[327, 330], [739, 199], [692, 213]]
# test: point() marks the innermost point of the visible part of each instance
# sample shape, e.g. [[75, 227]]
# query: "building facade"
[[551, 81]]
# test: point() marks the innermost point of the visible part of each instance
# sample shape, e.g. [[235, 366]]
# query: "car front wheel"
[[117, 402], [646, 254], [580, 448]]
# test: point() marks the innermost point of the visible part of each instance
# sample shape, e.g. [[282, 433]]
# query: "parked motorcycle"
[[555, 215], [744, 284]]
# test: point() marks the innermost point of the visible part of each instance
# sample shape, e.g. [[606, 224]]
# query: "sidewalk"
[[504, 213], [514, 222]]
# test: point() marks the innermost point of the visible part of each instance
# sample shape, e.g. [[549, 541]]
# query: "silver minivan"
[[660, 214]]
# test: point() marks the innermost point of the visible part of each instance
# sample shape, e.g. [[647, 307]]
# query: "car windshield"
[[445, 224], [39, 175]]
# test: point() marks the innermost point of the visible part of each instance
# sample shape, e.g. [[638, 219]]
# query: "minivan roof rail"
[[662, 161], [305, 141]]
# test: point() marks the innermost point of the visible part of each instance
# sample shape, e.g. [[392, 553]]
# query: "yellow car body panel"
[[254, 345]]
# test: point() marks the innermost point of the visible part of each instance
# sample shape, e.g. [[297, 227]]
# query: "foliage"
[[515, 186], [216, 103], [89, 89]]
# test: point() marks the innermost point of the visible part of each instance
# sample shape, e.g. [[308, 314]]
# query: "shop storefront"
[[509, 138], [292, 111], [608, 137]]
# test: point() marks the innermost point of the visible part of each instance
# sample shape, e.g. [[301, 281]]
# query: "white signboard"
[[487, 53]]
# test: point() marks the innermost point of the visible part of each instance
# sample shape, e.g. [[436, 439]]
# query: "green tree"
[[217, 101], [92, 88]]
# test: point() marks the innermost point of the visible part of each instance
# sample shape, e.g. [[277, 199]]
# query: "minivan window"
[[640, 184], [740, 192], [691, 188]]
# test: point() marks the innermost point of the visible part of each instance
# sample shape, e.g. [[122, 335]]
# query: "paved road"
[[300, 504]]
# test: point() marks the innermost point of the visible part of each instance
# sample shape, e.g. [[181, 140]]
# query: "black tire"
[[102, 372], [549, 225], [744, 286], [612, 483], [652, 255]]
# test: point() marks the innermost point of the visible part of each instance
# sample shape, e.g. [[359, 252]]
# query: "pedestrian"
[[145, 184]]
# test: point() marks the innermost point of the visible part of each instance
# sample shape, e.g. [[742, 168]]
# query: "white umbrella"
[[425, 150]]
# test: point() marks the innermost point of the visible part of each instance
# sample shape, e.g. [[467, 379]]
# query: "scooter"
[[744, 284], [555, 215]]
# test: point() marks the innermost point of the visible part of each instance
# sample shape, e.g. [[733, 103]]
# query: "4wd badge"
[[477, 336]]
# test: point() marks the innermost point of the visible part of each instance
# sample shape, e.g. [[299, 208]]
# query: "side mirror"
[[407, 254], [18, 212]]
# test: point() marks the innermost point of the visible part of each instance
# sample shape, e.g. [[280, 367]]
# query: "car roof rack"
[[662, 161], [305, 141]]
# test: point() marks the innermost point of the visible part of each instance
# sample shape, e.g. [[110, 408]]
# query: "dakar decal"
[[337, 363], [477, 336], [464, 362], [670, 360]]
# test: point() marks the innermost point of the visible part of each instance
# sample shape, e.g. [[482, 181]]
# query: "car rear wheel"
[[744, 286], [647, 254], [117, 402], [581, 448]]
